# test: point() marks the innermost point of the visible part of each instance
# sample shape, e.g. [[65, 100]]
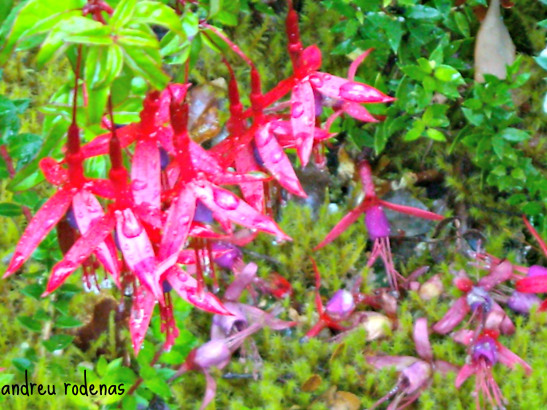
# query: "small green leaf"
[[448, 74], [152, 12], [10, 209], [514, 135], [420, 12], [35, 291], [122, 13], [30, 323], [129, 37], [435, 135], [147, 64], [190, 24], [67, 322], [57, 342]]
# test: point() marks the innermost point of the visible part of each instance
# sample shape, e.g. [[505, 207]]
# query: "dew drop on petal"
[[316, 81], [277, 156], [130, 225], [297, 110], [225, 200], [354, 92], [138, 185]]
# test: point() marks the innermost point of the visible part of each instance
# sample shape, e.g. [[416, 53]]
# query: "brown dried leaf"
[[312, 383], [344, 400], [494, 48]]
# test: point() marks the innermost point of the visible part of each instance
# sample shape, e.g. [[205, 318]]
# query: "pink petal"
[[137, 250], [177, 226], [186, 286], [463, 336], [341, 226], [445, 367], [421, 339], [141, 313], [303, 119], [358, 112], [226, 204], [343, 89], [87, 209], [399, 362], [409, 210], [80, 251], [501, 273], [532, 284], [210, 390], [253, 192], [276, 161], [243, 279], [45, 219], [506, 326], [256, 315], [356, 63], [465, 372], [453, 317], [146, 173], [510, 359]]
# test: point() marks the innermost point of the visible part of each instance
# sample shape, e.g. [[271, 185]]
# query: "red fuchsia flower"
[[484, 352], [307, 82], [377, 224], [75, 192], [415, 373], [477, 300]]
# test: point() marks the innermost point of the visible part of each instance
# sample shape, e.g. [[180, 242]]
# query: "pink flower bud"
[[214, 353], [341, 305], [485, 348]]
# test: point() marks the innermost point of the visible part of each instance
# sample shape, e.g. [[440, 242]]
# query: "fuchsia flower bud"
[[229, 258], [376, 223], [479, 298], [341, 305]]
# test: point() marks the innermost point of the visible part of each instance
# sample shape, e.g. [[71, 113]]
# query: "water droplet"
[[354, 92], [138, 185], [130, 225], [317, 81], [297, 110], [225, 200], [277, 156]]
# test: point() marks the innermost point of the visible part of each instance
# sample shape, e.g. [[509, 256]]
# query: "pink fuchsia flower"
[[484, 352], [415, 373], [215, 353], [477, 300], [377, 224]]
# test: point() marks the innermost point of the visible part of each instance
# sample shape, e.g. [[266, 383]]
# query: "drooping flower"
[[377, 224], [415, 373], [484, 352], [477, 300]]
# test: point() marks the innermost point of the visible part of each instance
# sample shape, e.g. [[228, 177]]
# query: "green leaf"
[[67, 322], [5, 8], [152, 12], [10, 209], [57, 342], [103, 65], [97, 99], [415, 132], [101, 366], [37, 16], [55, 42], [122, 13], [34, 291], [448, 74], [129, 37], [30, 323], [462, 23], [514, 135], [147, 64], [435, 135], [420, 12], [190, 24]]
